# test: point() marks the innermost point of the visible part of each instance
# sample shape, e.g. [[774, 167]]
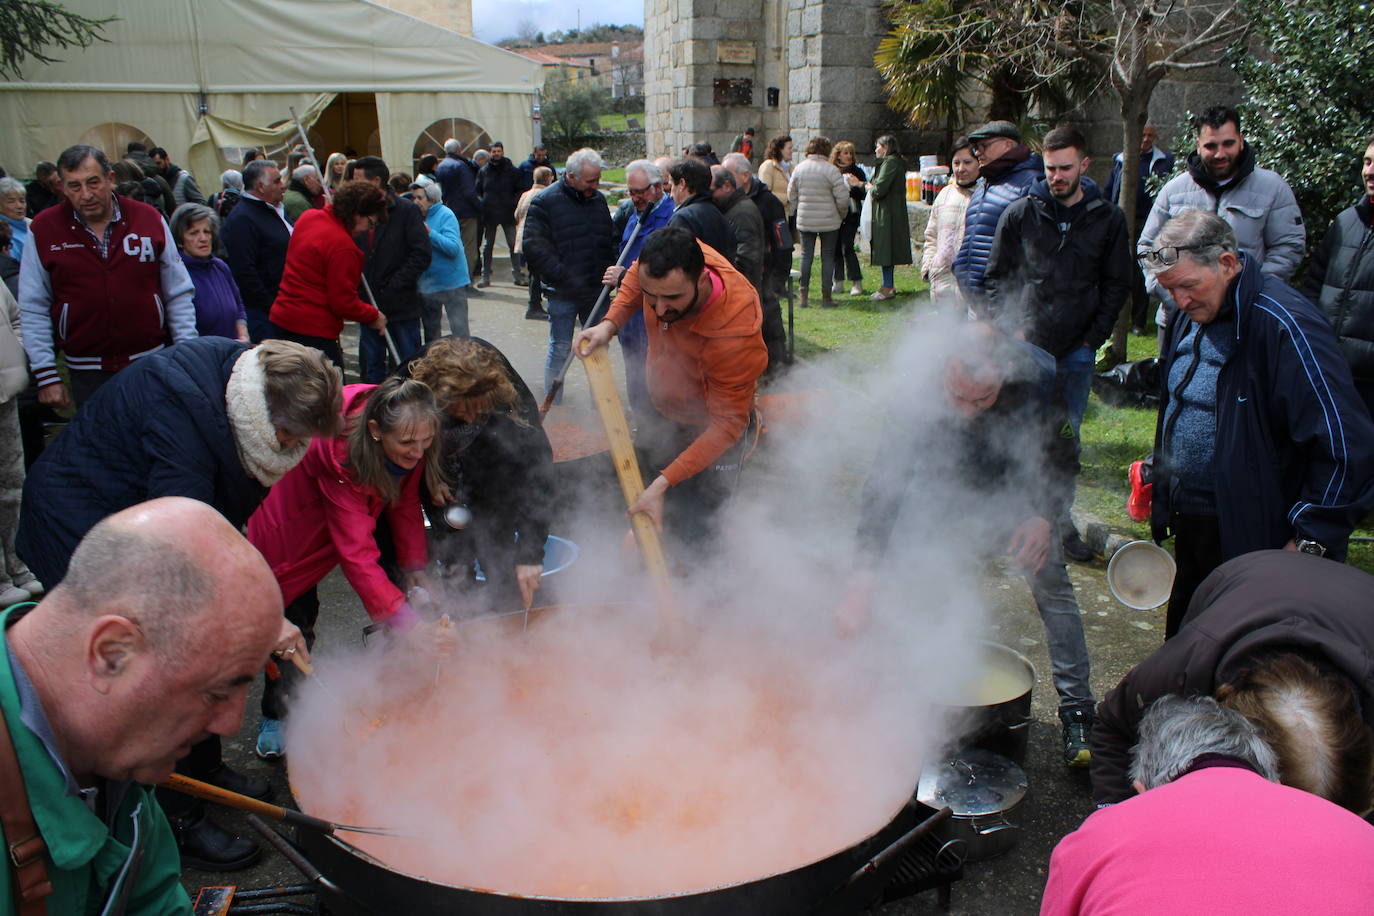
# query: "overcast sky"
[[494, 20]]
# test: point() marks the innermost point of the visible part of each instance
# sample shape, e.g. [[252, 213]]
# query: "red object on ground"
[[1138, 503]]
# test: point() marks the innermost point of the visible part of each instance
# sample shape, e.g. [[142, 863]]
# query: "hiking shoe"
[[1078, 726], [271, 739], [1074, 547], [536, 315]]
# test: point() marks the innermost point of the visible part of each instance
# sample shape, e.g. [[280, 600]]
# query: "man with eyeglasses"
[[1223, 178], [1007, 170], [1262, 441], [651, 210]]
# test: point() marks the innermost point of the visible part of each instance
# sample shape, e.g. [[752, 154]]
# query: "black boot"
[[208, 847], [231, 779], [536, 314], [1075, 548]]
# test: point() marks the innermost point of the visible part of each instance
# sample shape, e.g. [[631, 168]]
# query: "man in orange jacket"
[[706, 353]]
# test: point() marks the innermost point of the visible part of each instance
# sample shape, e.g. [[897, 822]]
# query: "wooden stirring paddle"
[[612, 413], [207, 792]]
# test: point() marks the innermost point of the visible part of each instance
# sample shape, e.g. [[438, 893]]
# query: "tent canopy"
[[223, 73]]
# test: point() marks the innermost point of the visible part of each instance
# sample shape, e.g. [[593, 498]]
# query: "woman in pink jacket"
[[324, 512]]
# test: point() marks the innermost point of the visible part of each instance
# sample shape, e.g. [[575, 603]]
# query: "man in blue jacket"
[[1262, 441], [457, 176], [1007, 169]]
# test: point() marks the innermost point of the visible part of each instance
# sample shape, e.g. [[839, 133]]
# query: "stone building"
[[454, 15], [803, 67]]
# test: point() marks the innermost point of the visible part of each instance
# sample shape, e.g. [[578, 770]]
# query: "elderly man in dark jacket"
[[498, 184], [255, 237], [1340, 279], [396, 253], [696, 209], [457, 177], [743, 216], [1252, 608], [777, 264], [569, 242], [1007, 169], [1261, 440], [1003, 466]]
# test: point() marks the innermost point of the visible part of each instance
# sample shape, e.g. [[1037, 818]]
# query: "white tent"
[[204, 77]]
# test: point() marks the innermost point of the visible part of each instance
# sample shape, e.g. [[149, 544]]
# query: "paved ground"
[[1058, 798]]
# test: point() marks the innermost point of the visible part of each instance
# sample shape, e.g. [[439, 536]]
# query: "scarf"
[[264, 458]]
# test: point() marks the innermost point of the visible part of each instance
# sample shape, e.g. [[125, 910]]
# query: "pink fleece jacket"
[[1219, 842], [317, 518]]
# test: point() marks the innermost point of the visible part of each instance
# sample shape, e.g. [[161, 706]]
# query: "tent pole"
[[310, 154]]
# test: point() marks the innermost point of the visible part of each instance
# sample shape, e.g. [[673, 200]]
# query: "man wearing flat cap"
[[1007, 169]]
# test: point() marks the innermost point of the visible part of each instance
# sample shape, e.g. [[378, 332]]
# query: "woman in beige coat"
[[819, 198], [777, 166], [543, 177]]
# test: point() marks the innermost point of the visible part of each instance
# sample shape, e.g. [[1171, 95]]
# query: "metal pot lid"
[[972, 782]]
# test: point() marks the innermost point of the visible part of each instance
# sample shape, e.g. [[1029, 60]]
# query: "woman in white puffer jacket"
[[819, 198]]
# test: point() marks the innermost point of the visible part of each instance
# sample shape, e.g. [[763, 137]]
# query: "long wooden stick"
[[607, 399], [207, 792]]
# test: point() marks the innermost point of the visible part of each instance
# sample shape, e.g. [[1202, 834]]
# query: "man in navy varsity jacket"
[[100, 280]]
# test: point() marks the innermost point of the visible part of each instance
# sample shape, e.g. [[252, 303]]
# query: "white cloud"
[[494, 20]]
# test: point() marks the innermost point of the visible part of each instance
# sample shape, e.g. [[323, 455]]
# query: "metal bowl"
[[1141, 575]]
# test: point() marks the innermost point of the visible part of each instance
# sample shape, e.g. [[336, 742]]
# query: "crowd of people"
[[216, 456]]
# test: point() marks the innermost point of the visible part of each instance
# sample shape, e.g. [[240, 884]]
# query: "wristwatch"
[[1306, 545]]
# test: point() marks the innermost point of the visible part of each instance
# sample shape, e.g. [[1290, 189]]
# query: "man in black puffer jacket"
[[1340, 279], [1059, 273], [569, 242], [696, 209], [397, 252], [498, 184], [1007, 169]]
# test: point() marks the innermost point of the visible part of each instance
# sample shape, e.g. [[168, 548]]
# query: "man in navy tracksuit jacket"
[[1262, 441]]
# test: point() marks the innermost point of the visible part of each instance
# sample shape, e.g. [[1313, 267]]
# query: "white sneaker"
[[856, 290], [29, 583], [837, 287], [13, 594]]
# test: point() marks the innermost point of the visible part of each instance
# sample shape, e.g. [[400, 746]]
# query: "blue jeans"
[[563, 317], [1074, 376], [1054, 599], [372, 351], [888, 276]]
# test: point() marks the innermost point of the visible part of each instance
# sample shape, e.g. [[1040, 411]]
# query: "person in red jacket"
[[324, 512], [706, 353], [319, 285]]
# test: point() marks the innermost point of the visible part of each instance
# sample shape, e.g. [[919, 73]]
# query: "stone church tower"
[[799, 67]]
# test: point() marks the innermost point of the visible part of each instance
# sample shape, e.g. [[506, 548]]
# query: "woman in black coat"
[[499, 465]]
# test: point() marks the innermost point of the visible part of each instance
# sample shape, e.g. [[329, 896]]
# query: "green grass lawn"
[[618, 121]]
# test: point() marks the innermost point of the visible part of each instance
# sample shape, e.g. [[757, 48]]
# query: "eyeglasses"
[[639, 192], [1166, 256]]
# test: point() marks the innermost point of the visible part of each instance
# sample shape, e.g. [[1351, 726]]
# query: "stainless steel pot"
[[992, 710], [980, 788]]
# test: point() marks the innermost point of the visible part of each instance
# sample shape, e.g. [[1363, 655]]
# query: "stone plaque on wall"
[[734, 52], [733, 92]]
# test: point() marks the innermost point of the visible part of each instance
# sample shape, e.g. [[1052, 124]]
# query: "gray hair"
[[452, 146], [652, 173], [73, 156], [255, 172], [481, 156], [737, 163], [433, 192], [721, 177], [232, 178], [1178, 730], [579, 161], [187, 215], [11, 186], [1211, 235], [304, 171]]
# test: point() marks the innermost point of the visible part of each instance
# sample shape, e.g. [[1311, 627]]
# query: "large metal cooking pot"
[[980, 788], [849, 881], [992, 710]]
